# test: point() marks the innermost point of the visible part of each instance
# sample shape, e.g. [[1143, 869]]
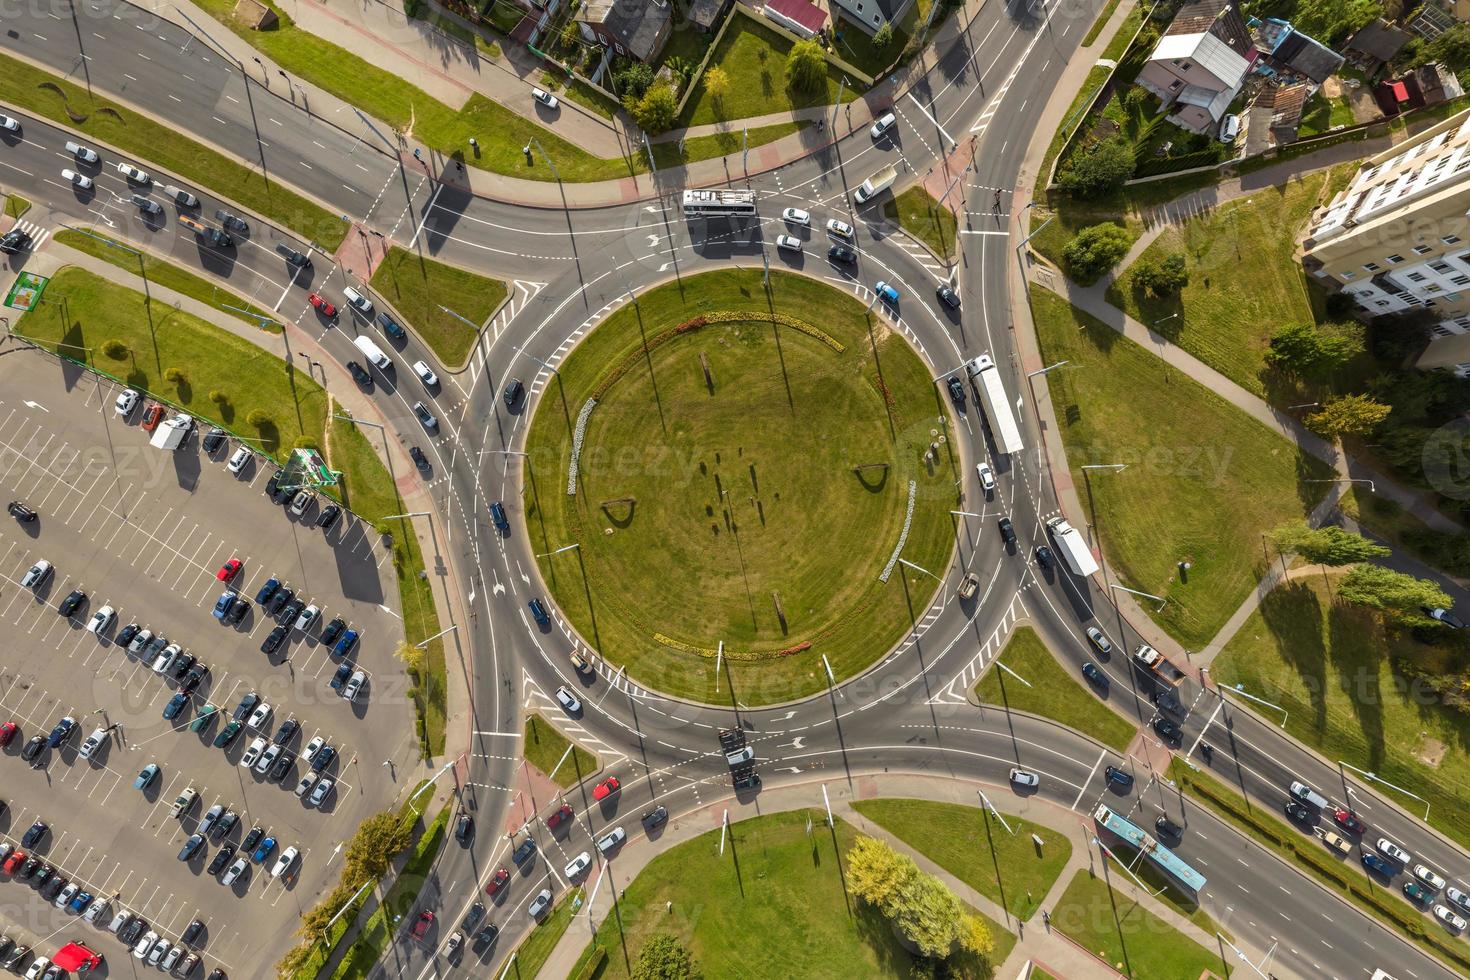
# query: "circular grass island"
[[749, 462]]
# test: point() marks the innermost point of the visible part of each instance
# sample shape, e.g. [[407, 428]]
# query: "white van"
[[358, 301], [373, 353], [1229, 128]]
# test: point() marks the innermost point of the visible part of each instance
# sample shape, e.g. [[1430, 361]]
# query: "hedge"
[[593, 964]]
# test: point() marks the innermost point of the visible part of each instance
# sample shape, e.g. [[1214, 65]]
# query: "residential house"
[[1200, 63], [1287, 52], [798, 16], [707, 14], [1376, 45], [1397, 238], [1286, 103], [872, 14], [1426, 85], [636, 29]]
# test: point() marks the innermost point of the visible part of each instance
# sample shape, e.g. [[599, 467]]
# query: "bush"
[[218, 397], [1095, 250], [1100, 170], [1160, 279], [258, 417], [305, 442], [1339, 304], [175, 375], [116, 349], [806, 66], [883, 36], [656, 111]]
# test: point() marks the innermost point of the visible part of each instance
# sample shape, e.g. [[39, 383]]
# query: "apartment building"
[[1398, 238]]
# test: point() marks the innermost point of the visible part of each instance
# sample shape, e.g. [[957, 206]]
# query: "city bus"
[[719, 204]]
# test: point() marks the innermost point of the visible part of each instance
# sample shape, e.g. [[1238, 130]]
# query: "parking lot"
[[146, 531]]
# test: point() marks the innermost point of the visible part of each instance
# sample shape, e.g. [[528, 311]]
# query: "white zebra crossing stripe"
[[38, 234]]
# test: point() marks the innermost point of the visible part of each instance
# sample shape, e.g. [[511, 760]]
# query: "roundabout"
[[725, 474]]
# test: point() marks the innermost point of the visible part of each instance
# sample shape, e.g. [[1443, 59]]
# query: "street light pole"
[[1049, 367]]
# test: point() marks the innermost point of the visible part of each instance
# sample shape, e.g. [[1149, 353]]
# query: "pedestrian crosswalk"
[[954, 692], [38, 234]]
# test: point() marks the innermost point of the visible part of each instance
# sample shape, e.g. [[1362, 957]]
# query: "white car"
[[237, 461], [354, 685], [607, 842], [97, 911], [142, 946], [170, 959], [578, 864], [101, 619], [1458, 897], [133, 174], [36, 575], [156, 953], [161, 662], [260, 717], [568, 700], [8, 124], [987, 476], [883, 125], [252, 753], [234, 871], [540, 903], [67, 894], [72, 177], [119, 920], [313, 747], [306, 783], [140, 641], [37, 968], [300, 502], [840, 228], [321, 791], [545, 98], [269, 756], [1025, 778], [1452, 921], [92, 743], [183, 198], [1392, 850], [284, 862], [1428, 876], [788, 242], [426, 375], [126, 402], [796, 216], [307, 617]]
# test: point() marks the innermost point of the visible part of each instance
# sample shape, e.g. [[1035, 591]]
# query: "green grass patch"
[[1053, 693], [1322, 114], [721, 144], [166, 274], [1204, 480], [926, 219], [1122, 932], [1339, 875], [546, 749], [1118, 46], [1243, 282], [592, 98], [698, 506], [80, 312], [68, 105], [1099, 23], [954, 837], [1091, 85], [379, 92], [1331, 666], [15, 205], [779, 885], [418, 287], [400, 901], [754, 56], [535, 949], [369, 490]]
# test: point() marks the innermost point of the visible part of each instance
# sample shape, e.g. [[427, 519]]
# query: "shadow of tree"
[[1293, 614]]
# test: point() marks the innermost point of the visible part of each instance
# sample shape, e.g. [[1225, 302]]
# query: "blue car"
[[1094, 674], [175, 705], [61, 731], [146, 777], [79, 904], [887, 293], [345, 643], [223, 605], [263, 851], [267, 590], [497, 514], [390, 327], [538, 613], [1373, 862]]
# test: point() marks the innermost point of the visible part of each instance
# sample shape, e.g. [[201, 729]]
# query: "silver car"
[[540, 903]]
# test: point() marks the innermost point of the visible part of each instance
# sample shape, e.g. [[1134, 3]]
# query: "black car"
[[181, 665], [247, 704], [29, 869], [194, 678], [1168, 731], [359, 374], [33, 747], [464, 828], [192, 932], [274, 639], [841, 253], [126, 634], [16, 957], [53, 887], [323, 758], [948, 296], [222, 859], [224, 825], [130, 933], [513, 392], [231, 222], [272, 485], [1094, 674], [236, 612], [280, 600], [328, 517], [213, 439], [1168, 828], [956, 391], [1298, 812], [281, 766], [1044, 557], [293, 258], [1118, 777], [655, 817], [419, 459], [487, 935], [339, 677], [42, 874], [287, 614], [334, 629], [73, 600], [523, 853], [475, 914], [287, 731], [14, 240], [391, 328], [21, 512], [1007, 532], [35, 833]]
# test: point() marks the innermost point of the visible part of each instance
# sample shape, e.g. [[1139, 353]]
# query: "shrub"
[[258, 417], [218, 397], [305, 442], [1160, 279], [883, 36], [1100, 170], [116, 349], [175, 375], [1095, 250]]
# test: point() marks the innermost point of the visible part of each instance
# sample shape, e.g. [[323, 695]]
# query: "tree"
[[634, 80], [1384, 588], [875, 870], [1100, 170], [1159, 279], [378, 838], [570, 34], [1330, 21], [806, 66], [974, 936], [926, 912], [1330, 545], [1095, 250], [883, 36], [717, 82], [1350, 415], [664, 958], [175, 375], [656, 111], [218, 397], [1309, 351], [679, 66], [410, 656], [258, 417], [116, 349]]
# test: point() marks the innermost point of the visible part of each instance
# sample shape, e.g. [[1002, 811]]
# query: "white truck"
[[1073, 547], [998, 412], [875, 185], [170, 435], [372, 352]]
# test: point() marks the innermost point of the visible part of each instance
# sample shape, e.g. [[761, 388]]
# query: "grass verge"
[[535, 949], [1099, 23], [1091, 85], [368, 489], [70, 106], [162, 273], [721, 144], [1310, 857], [546, 749], [1120, 931], [15, 205], [1204, 480], [955, 838], [1053, 693], [926, 219], [418, 287]]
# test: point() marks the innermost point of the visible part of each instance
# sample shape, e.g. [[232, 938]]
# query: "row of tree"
[[1375, 586], [918, 905]]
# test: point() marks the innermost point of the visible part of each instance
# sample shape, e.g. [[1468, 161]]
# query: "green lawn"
[[1054, 692], [15, 205], [545, 748], [1100, 23], [536, 948], [1203, 482], [720, 144], [1331, 667], [775, 896], [166, 274], [755, 59], [434, 125], [1322, 113], [418, 287], [736, 512], [920, 215], [69, 105], [1096, 79], [80, 310], [1243, 282], [369, 490], [1148, 949], [954, 837]]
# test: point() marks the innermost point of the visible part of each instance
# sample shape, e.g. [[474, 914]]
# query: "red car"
[[606, 788], [7, 732], [1350, 823], [322, 306], [152, 415], [497, 881], [421, 927], [228, 570], [13, 863], [559, 817]]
